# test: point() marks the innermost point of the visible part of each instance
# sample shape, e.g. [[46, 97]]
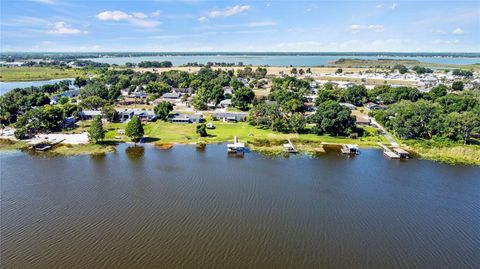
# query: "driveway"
[[385, 133]]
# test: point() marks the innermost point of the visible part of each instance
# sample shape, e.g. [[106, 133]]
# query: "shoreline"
[[348, 64], [313, 148]]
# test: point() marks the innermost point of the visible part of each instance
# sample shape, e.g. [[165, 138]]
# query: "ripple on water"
[[187, 209]]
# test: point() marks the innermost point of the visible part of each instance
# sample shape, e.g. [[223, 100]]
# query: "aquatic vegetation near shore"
[[446, 153], [163, 146]]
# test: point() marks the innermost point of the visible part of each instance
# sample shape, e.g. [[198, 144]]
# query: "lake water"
[[185, 208], [8, 86], [276, 60]]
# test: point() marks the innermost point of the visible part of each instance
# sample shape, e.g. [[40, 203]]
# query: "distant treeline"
[[23, 56], [58, 63], [154, 64]]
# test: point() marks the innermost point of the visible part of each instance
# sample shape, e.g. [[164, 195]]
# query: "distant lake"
[[8, 86], [275, 60], [141, 207]]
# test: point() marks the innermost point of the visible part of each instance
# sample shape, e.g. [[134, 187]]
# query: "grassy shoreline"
[[24, 73], [445, 153], [165, 135]]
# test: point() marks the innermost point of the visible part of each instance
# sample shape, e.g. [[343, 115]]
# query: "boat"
[[42, 147], [403, 154], [236, 147], [46, 144], [289, 148], [210, 126], [350, 149]]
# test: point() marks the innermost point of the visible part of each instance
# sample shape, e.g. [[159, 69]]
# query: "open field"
[[23, 73]]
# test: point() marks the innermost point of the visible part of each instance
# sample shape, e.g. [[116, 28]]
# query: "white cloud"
[[48, 2], [377, 28], [113, 16], [227, 12], [379, 6], [445, 42], [394, 6], [458, 31], [61, 28], [203, 19], [139, 15], [155, 14], [355, 28], [136, 18]]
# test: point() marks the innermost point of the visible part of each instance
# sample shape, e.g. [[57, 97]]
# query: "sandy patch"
[[72, 139]]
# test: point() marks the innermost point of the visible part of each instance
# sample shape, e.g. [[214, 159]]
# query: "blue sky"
[[194, 25]]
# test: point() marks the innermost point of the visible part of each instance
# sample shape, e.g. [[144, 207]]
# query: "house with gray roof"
[[230, 116], [171, 95], [89, 114], [186, 118]]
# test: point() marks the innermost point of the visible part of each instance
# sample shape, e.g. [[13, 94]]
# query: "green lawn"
[[165, 132], [24, 73]]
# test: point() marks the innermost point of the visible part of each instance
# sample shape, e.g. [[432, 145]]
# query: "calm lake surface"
[[185, 208], [276, 60], [8, 86]]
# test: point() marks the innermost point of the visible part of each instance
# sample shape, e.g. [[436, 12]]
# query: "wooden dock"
[[351, 149], [395, 153]]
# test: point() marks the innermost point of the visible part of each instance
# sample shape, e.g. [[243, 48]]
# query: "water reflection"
[[135, 153], [98, 160], [200, 147]]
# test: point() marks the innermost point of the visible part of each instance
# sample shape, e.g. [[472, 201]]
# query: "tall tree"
[[333, 118], [457, 85], [93, 103], [461, 125], [202, 130], [243, 97], [110, 113], [162, 110], [297, 123], [134, 129], [96, 131]]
